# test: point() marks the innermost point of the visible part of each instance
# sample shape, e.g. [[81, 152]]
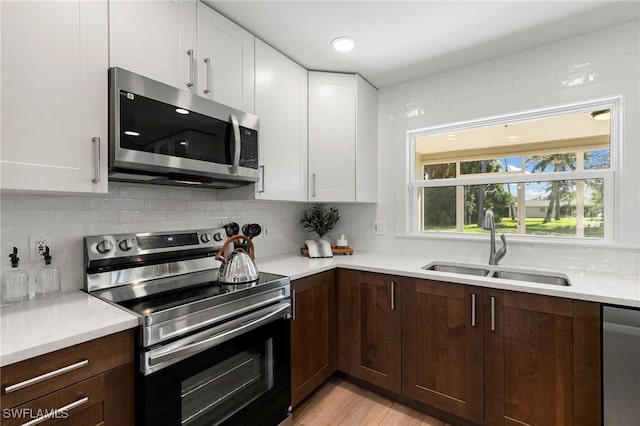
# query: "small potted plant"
[[320, 220]]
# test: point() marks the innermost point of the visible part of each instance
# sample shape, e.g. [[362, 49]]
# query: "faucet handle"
[[503, 250]]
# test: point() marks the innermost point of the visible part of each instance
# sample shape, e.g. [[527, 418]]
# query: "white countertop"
[[46, 325], [41, 326], [600, 287]]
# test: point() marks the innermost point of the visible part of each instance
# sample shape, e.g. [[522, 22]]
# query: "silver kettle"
[[237, 267]]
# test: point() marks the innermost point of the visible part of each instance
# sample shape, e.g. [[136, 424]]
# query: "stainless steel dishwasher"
[[621, 366]]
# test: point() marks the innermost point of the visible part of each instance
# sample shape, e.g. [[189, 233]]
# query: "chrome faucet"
[[489, 224]]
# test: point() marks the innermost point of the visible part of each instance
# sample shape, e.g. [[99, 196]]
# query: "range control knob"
[[217, 236], [205, 238], [126, 245], [104, 246]]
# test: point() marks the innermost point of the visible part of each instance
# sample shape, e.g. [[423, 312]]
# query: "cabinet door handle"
[[261, 179], [493, 313], [192, 76], [473, 309], [208, 62], [313, 185], [293, 304], [237, 145], [52, 413], [46, 376], [393, 295], [96, 158]]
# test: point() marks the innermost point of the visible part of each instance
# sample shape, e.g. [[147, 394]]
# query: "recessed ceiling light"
[[182, 111], [604, 114], [343, 44], [131, 133]]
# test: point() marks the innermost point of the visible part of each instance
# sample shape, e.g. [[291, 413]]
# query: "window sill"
[[523, 239]]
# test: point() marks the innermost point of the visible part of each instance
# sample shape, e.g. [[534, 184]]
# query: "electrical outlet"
[[37, 243], [377, 228]]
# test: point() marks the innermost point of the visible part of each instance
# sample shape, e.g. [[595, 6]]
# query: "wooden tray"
[[335, 250]]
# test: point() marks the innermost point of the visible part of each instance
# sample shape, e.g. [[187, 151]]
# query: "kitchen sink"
[[492, 271], [538, 278], [457, 269]]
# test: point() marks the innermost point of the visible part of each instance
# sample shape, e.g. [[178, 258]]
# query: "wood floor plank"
[[331, 407], [370, 410], [430, 421], [401, 415], [339, 402]]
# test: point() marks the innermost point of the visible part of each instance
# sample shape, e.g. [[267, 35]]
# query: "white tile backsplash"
[[134, 208]]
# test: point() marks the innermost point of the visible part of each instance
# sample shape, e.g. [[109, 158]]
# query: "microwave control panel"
[[249, 151]]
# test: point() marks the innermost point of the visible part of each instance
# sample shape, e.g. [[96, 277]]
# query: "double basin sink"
[[492, 271]]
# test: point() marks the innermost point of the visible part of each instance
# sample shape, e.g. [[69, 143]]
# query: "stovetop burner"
[[158, 302]]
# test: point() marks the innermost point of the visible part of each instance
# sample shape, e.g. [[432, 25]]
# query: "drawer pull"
[[50, 414], [473, 309], [46, 376]]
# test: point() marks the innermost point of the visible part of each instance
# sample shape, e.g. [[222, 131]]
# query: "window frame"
[[611, 209]]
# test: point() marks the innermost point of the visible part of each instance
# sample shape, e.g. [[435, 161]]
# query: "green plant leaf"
[[320, 220]]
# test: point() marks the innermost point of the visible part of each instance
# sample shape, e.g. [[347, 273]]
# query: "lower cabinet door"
[[542, 360], [442, 347], [313, 333], [369, 327], [78, 404]]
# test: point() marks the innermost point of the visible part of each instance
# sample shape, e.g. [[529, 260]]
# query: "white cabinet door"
[[225, 60], [281, 104], [366, 141], [54, 96], [332, 137], [156, 39]]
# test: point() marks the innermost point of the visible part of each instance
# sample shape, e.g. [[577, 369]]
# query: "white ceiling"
[[398, 41]]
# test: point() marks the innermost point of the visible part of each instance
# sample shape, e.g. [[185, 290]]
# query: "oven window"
[[215, 394], [152, 126]]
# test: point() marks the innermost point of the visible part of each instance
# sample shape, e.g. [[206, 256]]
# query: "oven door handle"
[[220, 337]]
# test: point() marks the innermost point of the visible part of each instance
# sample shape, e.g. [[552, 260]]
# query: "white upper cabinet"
[[54, 96], [225, 60], [332, 136], [281, 104], [186, 44], [342, 138], [366, 142], [156, 39]]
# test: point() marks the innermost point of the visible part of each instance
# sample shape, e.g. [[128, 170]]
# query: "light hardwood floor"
[[339, 402]]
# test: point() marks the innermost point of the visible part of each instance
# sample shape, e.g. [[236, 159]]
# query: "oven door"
[[240, 381]]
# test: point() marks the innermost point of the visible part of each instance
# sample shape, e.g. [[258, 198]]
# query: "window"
[[543, 173]]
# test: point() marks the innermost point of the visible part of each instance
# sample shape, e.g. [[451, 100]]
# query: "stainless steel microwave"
[[162, 135]]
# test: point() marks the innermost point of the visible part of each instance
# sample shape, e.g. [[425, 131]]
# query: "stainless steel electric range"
[[208, 353]]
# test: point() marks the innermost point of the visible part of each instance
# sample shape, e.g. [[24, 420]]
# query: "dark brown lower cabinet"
[[542, 360], [313, 333], [442, 347], [91, 383], [499, 357], [369, 327]]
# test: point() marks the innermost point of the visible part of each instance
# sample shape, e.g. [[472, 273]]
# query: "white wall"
[[596, 65], [135, 208]]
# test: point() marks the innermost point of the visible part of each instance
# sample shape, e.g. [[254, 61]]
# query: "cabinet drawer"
[[30, 379], [83, 400]]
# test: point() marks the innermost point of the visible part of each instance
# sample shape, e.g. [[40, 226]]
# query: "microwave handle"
[[236, 151]]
